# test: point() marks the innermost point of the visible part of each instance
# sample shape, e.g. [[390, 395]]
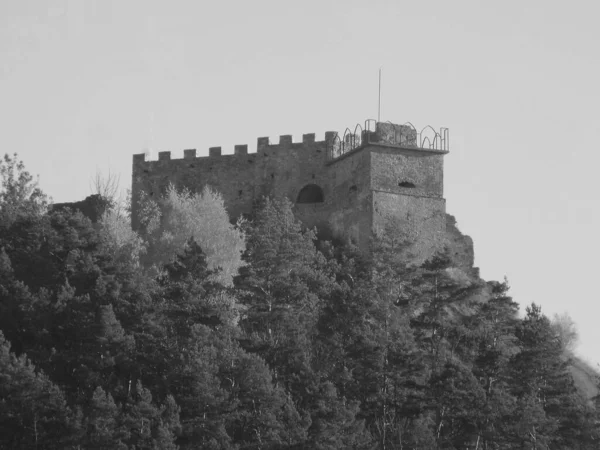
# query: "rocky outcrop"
[[460, 248], [92, 206]]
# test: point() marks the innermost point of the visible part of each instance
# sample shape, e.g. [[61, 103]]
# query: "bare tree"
[[106, 186]]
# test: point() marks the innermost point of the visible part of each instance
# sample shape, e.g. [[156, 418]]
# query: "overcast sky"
[[86, 84]]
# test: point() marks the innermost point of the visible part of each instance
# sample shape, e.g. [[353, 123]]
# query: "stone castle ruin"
[[379, 176]]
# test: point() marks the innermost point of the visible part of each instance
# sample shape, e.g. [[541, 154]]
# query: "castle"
[[348, 186]]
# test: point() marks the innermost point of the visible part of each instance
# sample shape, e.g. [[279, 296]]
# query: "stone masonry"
[[348, 190]]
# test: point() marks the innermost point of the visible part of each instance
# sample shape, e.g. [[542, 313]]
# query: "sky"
[[84, 85]]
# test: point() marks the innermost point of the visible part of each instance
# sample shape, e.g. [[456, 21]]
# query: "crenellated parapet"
[[242, 177], [345, 185], [263, 145], [378, 133]]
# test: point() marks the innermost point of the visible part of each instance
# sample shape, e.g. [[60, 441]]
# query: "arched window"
[[311, 193], [406, 184]]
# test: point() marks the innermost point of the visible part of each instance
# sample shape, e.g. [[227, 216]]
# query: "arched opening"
[[311, 193]]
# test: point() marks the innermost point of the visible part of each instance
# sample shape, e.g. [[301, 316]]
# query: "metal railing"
[[387, 133]]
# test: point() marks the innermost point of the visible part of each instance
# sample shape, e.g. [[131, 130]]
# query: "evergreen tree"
[[146, 425], [549, 412], [33, 410], [101, 424], [314, 345], [282, 286], [495, 322]]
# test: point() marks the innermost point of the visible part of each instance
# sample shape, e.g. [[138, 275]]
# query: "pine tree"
[[146, 425], [495, 322], [282, 286], [549, 411], [33, 410]]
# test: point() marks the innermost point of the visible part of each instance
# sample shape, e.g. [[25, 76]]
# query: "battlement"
[[263, 145], [347, 184], [371, 132]]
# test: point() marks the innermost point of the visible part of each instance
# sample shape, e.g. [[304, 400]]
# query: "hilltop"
[[195, 332]]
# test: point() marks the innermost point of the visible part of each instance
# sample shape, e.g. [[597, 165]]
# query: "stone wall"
[[350, 214], [419, 220], [385, 178], [408, 189], [407, 172], [281, 170]]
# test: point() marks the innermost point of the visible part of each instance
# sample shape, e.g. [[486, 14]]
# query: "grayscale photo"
[[317, 225]]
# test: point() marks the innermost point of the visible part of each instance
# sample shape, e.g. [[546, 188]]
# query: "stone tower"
[[348, 186]]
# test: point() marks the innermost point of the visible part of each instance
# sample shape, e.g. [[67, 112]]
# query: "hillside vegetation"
[[198, 334]]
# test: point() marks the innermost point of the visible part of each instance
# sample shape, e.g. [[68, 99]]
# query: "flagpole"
[[379, 99]]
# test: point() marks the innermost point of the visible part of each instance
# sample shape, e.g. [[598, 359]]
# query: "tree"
[[566, 329], [106, 187], [549, 409], [33, 410], [146, 425], [368, 350], [187, 348], [179, 216], [120, 241], [459, 400], [20, 194], [102, 422], [494, 324], [281, 257], [442, 306], [282, 287]]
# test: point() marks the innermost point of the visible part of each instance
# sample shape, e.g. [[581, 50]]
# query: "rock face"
[[92, 207], [460, 248], [348, 188]]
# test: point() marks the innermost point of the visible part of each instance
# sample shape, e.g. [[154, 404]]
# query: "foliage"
[[20, 194], [566, 329], [179, 216], [33, 410], [120, 241], [174, 338]]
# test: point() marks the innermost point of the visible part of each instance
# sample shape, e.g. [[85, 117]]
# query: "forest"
[[194, 332]]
